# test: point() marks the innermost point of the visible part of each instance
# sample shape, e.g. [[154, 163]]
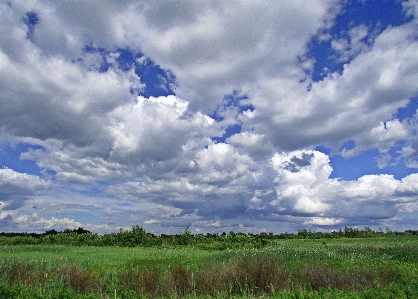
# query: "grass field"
[[335, 268]]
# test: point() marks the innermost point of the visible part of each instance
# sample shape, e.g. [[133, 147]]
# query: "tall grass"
[[248, 276], [287, 269]]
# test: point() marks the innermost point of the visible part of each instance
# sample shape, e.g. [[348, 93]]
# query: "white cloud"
[[73, 164], [302, 176], [351, 105], [256, 145], [323, 221], [150, 129], [306, 190], [411, 8], [221, 163], [157, 152], [222, 46], [302, 188], [152, 221], [232, 42], [347, 48], [33, 223], [59, 100], [224, 37], [13, 182], [408, 186], [16, 188]]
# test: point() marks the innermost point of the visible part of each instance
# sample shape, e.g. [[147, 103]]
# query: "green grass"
[[102, 259], [300, 268]]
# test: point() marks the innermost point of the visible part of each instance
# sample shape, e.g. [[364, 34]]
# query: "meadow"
[[374, 267]]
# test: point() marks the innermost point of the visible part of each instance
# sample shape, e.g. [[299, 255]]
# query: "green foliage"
[[19, 291], [137, 236], [130, 238], [296, 268]]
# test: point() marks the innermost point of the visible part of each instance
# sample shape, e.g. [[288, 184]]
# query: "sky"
[[219, 116]]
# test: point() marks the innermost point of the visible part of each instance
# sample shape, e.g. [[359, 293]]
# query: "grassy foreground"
[[300, 268]]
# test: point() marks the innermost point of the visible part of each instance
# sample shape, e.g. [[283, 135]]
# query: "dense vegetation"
[[137, 236], [350, 263]]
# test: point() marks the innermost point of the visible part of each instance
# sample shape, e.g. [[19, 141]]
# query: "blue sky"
[[213, 115]]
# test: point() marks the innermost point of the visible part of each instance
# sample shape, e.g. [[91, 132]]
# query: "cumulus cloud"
[[57, 99], [230, 142], [309, 191], [299, 187], [220, 46], [374, 84], [16, 188], [153, 129]]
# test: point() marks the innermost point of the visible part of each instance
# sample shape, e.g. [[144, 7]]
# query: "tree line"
[[137, 236]]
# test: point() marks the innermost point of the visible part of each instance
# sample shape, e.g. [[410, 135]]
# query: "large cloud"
[[213, 49], [15, 185], [352, 105], [15, 189], [153, 129], [298, 188], [94, 125], [221, 46], [308, 190]]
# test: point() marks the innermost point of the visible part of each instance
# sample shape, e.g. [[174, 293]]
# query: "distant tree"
[[51, 232]]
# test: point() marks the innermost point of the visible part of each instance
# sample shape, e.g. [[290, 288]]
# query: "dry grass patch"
[[79, 280]]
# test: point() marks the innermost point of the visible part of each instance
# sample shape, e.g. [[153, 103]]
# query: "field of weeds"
[[301, 268]]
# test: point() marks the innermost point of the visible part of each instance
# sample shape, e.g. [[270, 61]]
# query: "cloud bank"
[[210, 115]]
